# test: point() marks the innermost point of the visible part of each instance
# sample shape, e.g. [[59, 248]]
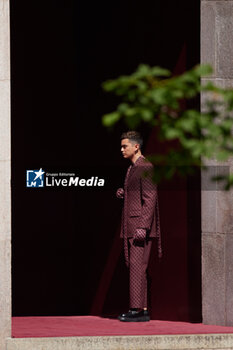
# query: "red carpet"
[[24, 327]]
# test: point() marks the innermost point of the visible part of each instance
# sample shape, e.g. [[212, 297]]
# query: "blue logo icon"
[[35, 178]]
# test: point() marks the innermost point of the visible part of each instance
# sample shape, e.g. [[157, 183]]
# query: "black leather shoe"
[[135, 316]]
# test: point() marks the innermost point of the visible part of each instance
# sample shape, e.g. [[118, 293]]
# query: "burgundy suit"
[[140, 211]]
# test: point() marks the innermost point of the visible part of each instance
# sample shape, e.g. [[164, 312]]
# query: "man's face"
[[128, 148]]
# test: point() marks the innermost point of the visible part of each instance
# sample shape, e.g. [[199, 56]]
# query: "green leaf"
[[110, 119], [147, 115], [142, 86], [171, 133], [159, 96], [131, 111], [122, 108], [222, 155], [229, 182], [143, 69], [187, 125], [160, 72], [109, 85], [203, 70]]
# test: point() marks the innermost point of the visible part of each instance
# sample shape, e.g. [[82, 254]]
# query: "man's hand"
[[140, 234], [120, 193]]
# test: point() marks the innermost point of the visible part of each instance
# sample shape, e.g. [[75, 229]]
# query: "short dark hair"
[[133, 136]]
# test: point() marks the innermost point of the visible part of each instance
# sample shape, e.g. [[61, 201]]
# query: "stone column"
[[217, 205], [5, 177]]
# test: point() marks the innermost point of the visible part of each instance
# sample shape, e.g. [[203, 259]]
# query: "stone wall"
[[5, 176], [217, 205]]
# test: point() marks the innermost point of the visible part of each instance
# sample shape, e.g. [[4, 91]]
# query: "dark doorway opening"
[[61, 52]]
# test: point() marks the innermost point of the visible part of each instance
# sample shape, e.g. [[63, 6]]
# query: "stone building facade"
[[217, 206]]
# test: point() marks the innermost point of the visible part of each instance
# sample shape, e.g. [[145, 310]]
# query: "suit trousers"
[[139, 254]]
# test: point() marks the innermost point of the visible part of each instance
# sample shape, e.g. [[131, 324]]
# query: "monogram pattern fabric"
[[140, 222], [126, 252], [141, 207], [138, 262]]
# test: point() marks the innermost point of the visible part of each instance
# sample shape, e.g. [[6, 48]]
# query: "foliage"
[[152, 95]]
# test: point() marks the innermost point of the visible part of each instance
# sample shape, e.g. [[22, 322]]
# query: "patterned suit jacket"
[[141, 208]]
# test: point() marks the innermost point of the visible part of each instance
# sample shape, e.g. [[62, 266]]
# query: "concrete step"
[[153, 342]]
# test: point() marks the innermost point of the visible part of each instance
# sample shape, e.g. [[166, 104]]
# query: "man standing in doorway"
[[140, 224]]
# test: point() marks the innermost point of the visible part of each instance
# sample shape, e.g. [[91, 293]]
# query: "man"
[[140, 223]]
